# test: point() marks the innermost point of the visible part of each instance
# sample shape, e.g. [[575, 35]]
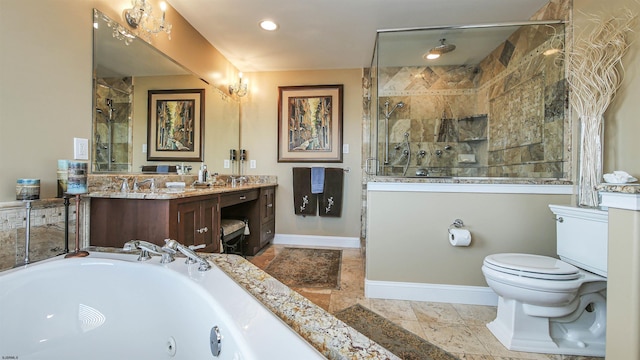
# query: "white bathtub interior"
[[109, 306]]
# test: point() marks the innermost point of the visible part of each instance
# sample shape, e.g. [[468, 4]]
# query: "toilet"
[[549, 305]]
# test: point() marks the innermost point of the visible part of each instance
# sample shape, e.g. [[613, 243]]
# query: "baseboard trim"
[[458, 294], [316, 240]]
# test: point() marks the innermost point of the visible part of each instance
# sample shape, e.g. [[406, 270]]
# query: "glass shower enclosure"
[[469, 101]]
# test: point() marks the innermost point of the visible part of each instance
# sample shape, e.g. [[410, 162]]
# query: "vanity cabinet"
[[267, 215], [259, 209], [190, 221]]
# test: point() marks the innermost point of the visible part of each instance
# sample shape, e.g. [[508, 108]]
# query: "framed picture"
[[176, 125], [310, 123]]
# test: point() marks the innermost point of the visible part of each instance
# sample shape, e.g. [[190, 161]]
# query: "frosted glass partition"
[[495, 106]]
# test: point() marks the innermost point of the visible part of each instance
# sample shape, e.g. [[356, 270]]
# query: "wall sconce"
[[240, 88], [140, 17]]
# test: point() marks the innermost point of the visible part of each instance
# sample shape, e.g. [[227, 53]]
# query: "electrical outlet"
[[345, 148], [252, 164], [80, 149], [227, 164], [144, 148]]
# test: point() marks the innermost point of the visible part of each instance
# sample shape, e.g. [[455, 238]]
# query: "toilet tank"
[[582, 237]]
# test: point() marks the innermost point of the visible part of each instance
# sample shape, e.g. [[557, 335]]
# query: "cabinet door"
[[208, 232], [267, 204], [188, 222]]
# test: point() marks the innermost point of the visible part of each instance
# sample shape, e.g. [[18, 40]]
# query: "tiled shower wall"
[[505, 117], [46, 231]]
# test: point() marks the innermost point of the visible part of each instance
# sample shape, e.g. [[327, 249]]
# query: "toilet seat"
[[532, 266]]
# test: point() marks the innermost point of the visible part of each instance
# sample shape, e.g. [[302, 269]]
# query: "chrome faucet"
[[125, 184], [147, 247], [192, 257], [151, 181]]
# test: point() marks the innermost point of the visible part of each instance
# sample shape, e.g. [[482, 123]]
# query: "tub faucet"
[[147, 247], [192, 257]]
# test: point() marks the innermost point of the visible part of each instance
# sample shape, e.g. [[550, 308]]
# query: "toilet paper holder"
[[457, 223]]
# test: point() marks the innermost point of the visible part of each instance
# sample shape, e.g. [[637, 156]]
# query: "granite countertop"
[[329, 335], [620, 188], [172, 193]]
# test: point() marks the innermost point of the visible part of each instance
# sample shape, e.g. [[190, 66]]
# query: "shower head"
[[386, 106], [435, 52]]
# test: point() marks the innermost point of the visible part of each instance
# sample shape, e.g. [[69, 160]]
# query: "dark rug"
[[307, 268], [399, 341]]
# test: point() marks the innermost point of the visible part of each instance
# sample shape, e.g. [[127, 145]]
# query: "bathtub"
[[110, 306]]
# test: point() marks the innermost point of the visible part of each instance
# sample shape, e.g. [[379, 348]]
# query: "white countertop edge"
[[620, 200], [472, 188]]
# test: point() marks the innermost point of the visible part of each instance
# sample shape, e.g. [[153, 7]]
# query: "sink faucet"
[[192, 257], [147, 247], [152, 182], [125, 184]]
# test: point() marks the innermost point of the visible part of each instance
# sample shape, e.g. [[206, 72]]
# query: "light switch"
[[227, 164], [80, 149], [252, 164]]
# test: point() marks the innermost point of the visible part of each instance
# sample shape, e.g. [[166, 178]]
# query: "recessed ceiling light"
[[268, 25]]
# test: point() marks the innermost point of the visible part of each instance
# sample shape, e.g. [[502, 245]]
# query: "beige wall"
[[45, 80], [407, 233], [259, 137]]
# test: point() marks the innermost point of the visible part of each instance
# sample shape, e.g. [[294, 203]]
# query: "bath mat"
[[307, 268], [399, 341]]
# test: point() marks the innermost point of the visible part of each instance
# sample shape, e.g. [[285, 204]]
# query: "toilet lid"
[[534, 266]]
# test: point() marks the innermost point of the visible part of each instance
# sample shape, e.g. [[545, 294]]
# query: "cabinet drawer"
[[267, 232], [238, 197]]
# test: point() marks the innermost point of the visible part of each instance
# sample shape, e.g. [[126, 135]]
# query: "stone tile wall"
[[46, 231]]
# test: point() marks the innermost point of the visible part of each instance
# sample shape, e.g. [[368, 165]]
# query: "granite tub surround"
[[47, 231], [332, 337]]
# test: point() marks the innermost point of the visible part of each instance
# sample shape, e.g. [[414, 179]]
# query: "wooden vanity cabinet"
[[267, 215], [258, 206], [190, 221]]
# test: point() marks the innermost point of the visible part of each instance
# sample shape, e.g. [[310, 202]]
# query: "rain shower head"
[[443, 48]]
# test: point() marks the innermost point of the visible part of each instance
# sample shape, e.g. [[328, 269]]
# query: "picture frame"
[[310, 123], [175, 128]]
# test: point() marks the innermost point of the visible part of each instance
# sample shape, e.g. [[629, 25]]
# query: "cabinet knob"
[[203, 230], [268, 232], [560, 219], [269, 205], [243, 197]]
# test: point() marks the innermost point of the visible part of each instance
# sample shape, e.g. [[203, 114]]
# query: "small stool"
[[232, 236]]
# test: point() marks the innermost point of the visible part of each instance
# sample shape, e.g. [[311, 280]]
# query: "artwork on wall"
[[310, 123], [176, 125]]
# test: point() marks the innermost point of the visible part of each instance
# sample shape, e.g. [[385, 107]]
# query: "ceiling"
[[328, 34]]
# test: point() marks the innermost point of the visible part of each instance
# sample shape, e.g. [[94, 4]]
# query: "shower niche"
[[494, 103]]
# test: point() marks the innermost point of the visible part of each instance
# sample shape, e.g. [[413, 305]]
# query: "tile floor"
[[459, 329]]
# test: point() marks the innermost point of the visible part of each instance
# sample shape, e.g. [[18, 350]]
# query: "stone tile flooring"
[[459, 329]]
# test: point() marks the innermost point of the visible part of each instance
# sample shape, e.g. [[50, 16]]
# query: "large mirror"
[[493, 104], [126, 68]]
